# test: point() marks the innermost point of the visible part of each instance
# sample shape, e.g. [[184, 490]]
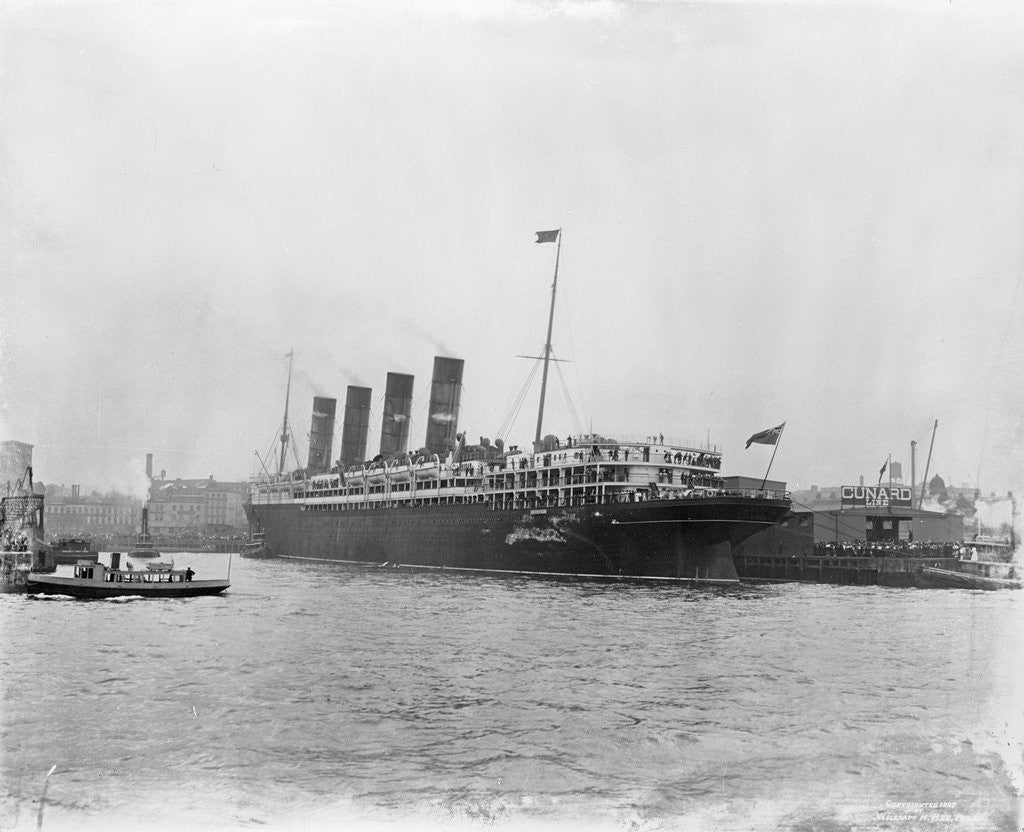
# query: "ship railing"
[[551, 498], [651, 440], [611, 455]]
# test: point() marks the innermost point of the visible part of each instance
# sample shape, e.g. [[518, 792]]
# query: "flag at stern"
[[767, 437]]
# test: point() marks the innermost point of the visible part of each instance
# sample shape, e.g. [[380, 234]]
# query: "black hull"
[[186, 590], [682, 540]]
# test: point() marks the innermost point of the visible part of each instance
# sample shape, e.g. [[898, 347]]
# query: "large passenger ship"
[[587, 506]]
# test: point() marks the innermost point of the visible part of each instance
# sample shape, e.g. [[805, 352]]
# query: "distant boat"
[[144, 546], [68, 550], [96, 580], [971, 575], [254, 547]]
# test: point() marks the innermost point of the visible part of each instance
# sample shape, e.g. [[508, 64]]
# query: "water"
[[313, 696]]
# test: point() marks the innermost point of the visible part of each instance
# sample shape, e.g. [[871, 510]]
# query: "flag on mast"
[[548, 236], [767, 437], [882, 469]]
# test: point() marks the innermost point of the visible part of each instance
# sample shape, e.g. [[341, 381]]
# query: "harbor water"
[[316, 696]]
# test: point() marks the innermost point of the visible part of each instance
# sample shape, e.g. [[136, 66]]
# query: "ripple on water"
[[357, 693]]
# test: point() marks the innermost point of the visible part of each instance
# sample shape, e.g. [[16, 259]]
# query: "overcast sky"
[[800, 212]]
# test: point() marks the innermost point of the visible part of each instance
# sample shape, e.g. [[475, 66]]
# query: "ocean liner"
[[587, 506]]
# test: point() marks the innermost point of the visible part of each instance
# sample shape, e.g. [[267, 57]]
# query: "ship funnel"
[[356, 426], [394, 430], [445, 393], [321, 435]]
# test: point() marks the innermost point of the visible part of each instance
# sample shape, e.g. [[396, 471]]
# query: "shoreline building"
[[196, 507], [94, 515], [880, 515]]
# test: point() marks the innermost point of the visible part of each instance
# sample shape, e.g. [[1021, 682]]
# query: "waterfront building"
[[195, 508], [69, 514], [883, 516]]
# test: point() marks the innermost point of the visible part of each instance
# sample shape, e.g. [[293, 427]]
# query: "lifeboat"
[[399, 471], [429, 470]]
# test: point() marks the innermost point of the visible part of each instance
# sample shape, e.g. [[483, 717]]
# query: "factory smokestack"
[[355, 426], [149, 466], [394, 429], [321, 435], [445, 393]]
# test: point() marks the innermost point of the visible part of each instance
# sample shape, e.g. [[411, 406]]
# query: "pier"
[[857, 571]]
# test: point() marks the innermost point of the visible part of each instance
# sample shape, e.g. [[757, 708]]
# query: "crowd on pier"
[[895, 549], [12, 541]]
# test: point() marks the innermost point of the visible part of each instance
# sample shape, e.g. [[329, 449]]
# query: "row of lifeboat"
[[395, 471]]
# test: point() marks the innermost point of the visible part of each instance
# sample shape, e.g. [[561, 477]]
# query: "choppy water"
[[313, 696]]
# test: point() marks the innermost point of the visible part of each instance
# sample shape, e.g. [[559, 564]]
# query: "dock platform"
[[857, 571]]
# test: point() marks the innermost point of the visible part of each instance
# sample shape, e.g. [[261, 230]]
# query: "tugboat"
[[255, 546], [96, 580], [144, 546]]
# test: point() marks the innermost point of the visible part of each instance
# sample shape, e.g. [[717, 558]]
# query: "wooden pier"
[[817, 569]]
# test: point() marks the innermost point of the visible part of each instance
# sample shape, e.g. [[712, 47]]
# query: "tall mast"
[[927, 465], [547, 344], [284, 427]]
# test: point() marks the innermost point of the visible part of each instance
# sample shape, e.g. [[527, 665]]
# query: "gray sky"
[[800, 212]]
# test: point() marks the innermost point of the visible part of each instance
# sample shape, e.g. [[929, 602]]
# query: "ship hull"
[[682, 540], [51, 585]]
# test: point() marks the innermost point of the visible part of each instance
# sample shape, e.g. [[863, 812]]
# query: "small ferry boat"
[[97, 580]]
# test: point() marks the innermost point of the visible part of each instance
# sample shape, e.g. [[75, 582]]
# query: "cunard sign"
[[873, 496]]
